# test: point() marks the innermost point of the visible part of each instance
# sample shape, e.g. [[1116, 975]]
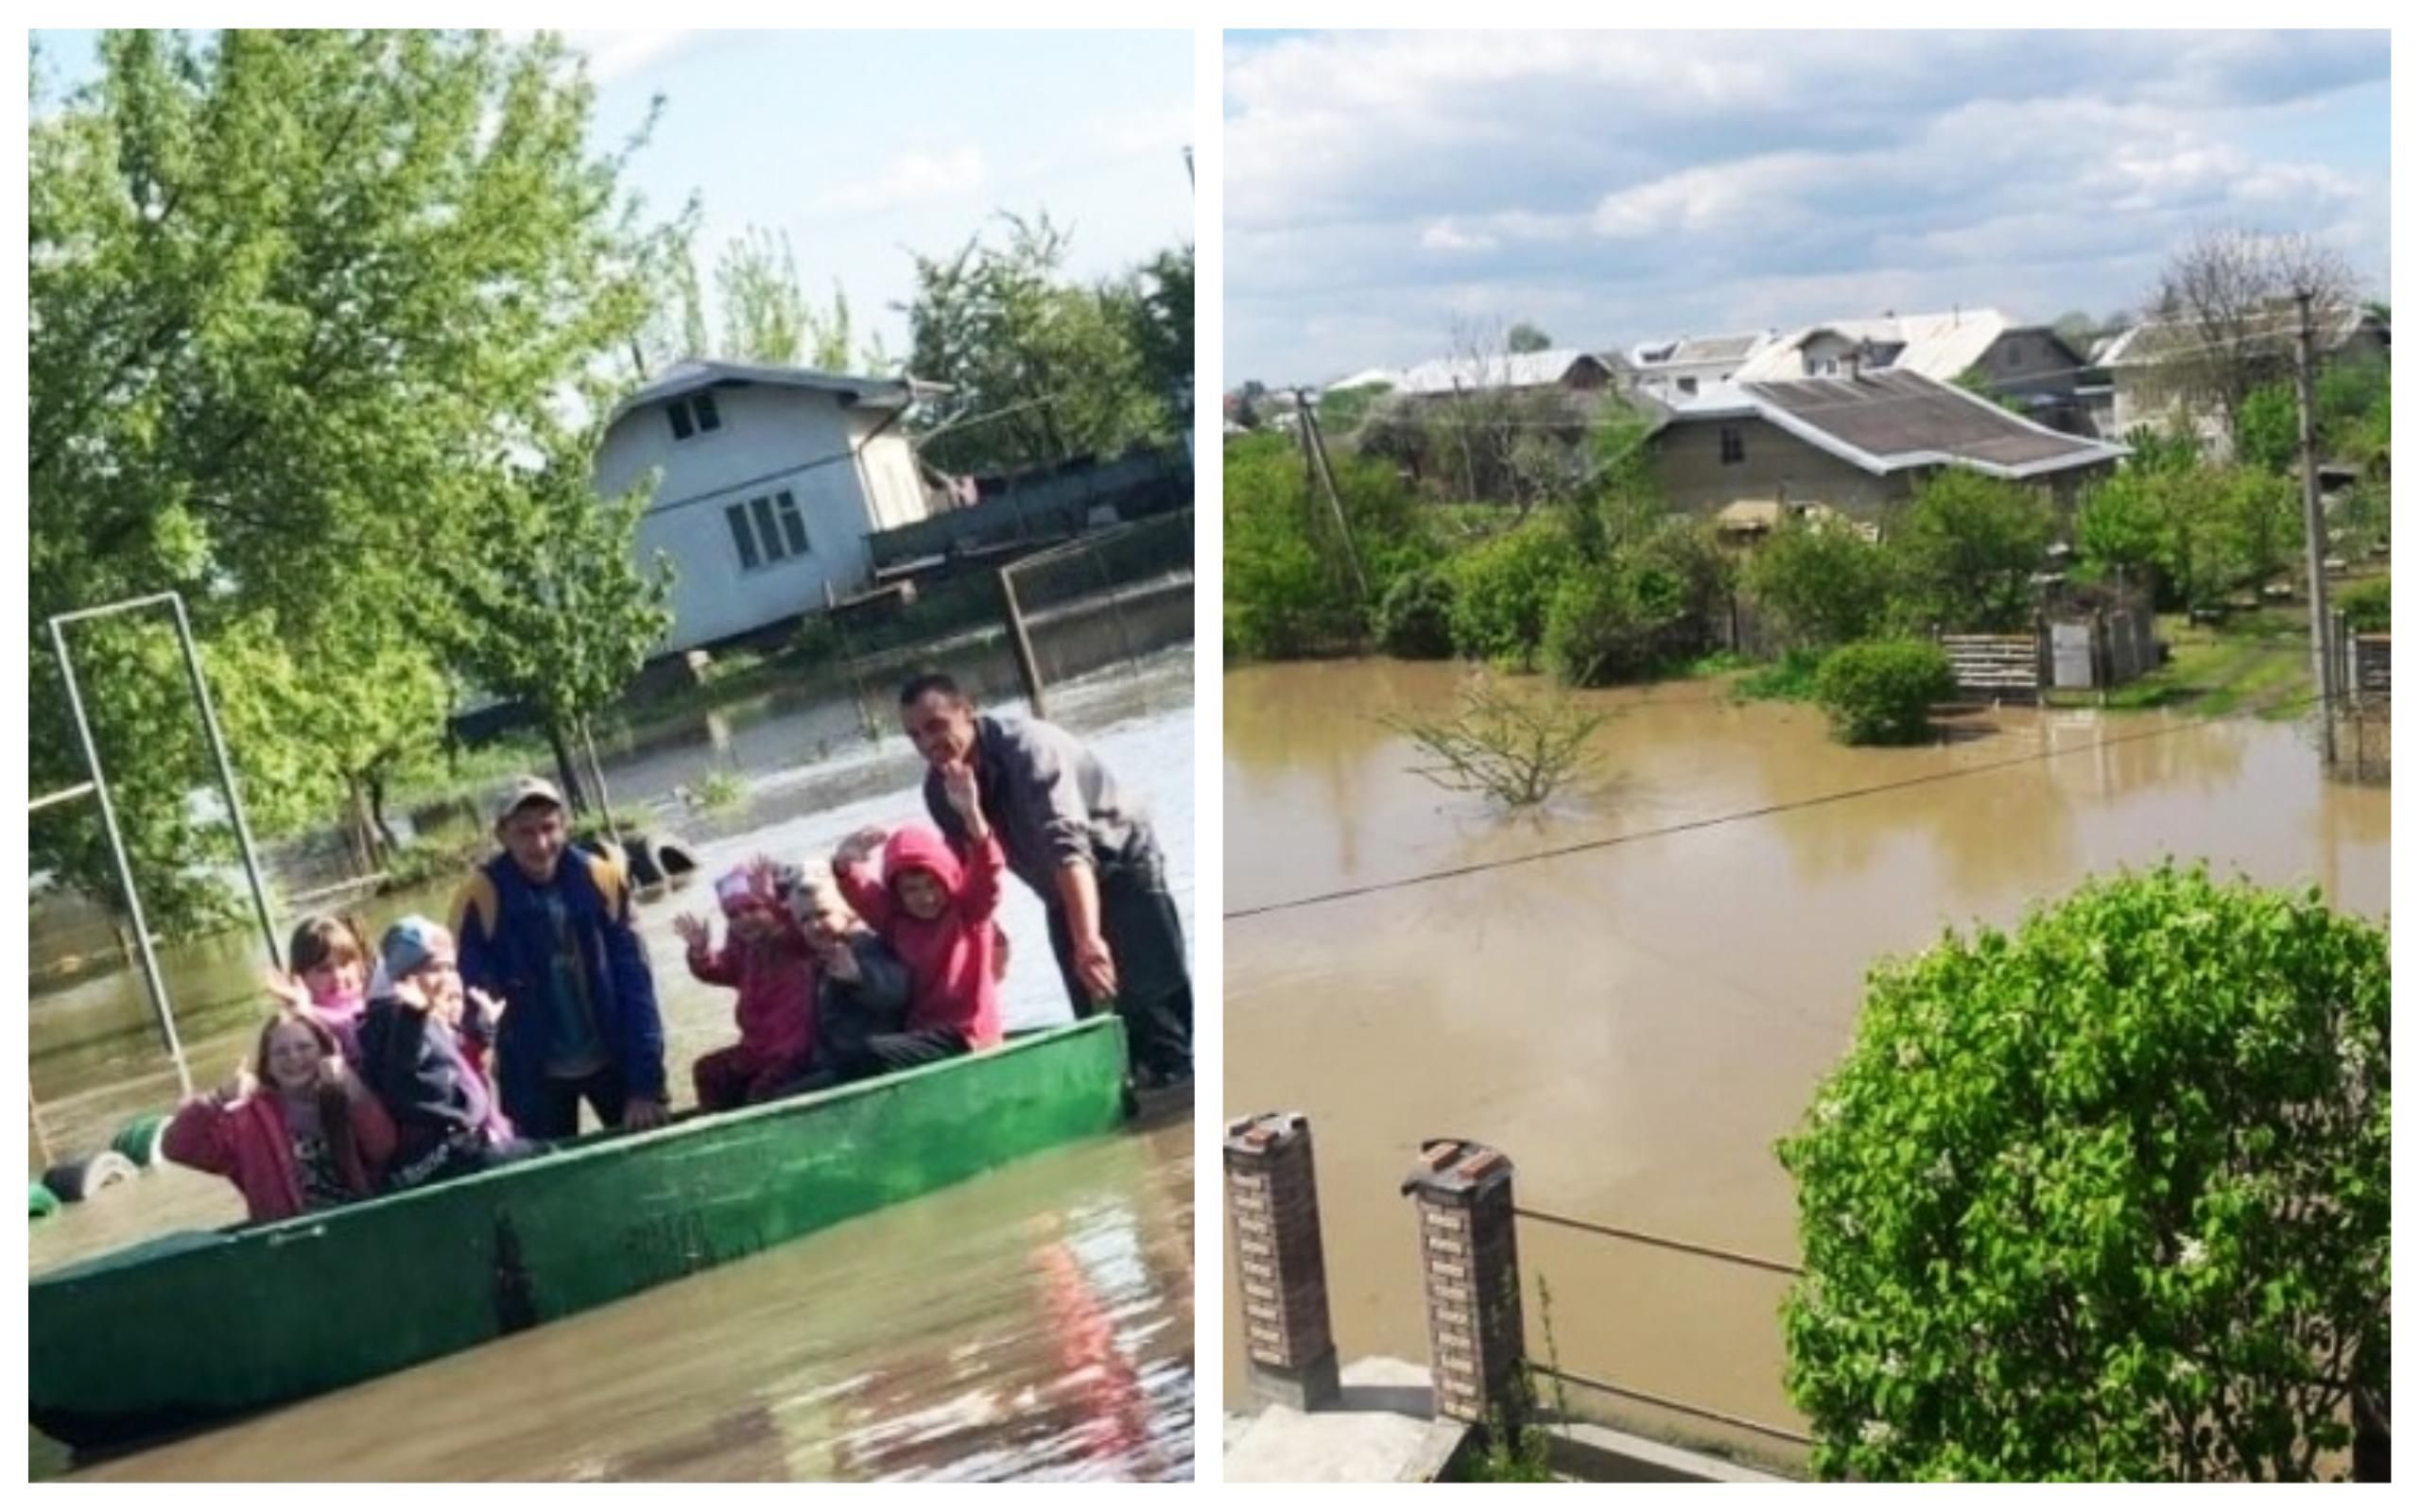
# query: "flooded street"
[[1036, 1321], [1636, 1023]]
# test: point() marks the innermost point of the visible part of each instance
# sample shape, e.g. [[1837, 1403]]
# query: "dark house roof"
[[1887, 421]]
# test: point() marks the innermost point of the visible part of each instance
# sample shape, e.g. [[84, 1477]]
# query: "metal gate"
[[97, 787]]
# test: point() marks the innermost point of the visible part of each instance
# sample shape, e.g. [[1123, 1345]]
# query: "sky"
[[1384, 190], [864, 145]]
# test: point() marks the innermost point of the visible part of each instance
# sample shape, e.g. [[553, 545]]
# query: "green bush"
[[1621, 623], [2365, 605], [1288, 581], [2105, 1199], [1881, 693], [1595, 631], [1416, 616], [1820, 585], [1503, 588]]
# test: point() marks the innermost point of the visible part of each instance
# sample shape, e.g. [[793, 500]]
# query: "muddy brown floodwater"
[[1034, 1321], [1635, 1024]]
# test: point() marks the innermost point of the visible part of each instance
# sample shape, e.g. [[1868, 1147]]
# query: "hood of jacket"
[[920, 848]]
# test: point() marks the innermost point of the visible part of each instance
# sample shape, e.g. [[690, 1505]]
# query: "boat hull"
[[199, 1327]]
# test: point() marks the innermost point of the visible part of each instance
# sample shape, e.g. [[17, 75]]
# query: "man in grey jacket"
[[1072, 837]]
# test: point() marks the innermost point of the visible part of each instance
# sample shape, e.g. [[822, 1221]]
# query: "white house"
[[1675, 370], [771, 479]]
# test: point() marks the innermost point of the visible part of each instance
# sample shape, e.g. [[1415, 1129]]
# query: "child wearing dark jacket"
[[445, 1115], [935, 912], [861, 991]]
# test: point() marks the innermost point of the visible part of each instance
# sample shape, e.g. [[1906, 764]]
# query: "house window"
[[1734, 445], [1689, 386], [768, 528], [694, 414], [741, 535]]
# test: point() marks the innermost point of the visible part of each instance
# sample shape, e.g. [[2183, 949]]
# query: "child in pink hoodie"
[[328, 956], [765, 956], [935, 911]]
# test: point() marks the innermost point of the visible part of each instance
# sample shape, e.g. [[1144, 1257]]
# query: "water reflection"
[[833, 1357]]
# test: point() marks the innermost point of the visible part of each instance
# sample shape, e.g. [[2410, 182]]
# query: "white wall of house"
[[887, 463], [781, 460]]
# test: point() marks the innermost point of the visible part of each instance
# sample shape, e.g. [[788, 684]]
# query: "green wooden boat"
[[197, 1326]]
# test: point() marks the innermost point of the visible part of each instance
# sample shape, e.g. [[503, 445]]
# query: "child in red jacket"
[[297, 1133], [765, 956], [935, 911]]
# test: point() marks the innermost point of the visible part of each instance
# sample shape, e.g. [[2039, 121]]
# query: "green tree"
[[1159, 313], [294, 298], [2268, 429], [1966, 549], [555, 609], [1503, 588], [1527, 337], [2197, 534], [1819, 582], [767, 315], [2107, 1198], [1289, 587], [1039, 369]]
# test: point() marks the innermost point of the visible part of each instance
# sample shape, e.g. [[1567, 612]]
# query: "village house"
[[771, 479], [1854, 444], [1669, 372], [2031, 366], [2140, 363]]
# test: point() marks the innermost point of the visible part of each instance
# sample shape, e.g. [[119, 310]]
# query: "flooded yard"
[[1637, 1019]]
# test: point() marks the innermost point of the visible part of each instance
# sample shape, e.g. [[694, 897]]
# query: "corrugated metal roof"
[[1887, 421], [2157, 340], [1684, 350], [1938, 345], [1519, 370]]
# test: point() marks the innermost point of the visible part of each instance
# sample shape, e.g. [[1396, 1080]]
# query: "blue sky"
[[862, 145], [1618, 186]]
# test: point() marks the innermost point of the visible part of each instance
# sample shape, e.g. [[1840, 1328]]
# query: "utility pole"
[[2314, 535], [1462, 429], [1315, 461]]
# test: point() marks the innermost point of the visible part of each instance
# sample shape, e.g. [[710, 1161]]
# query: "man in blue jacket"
[[547, 928]]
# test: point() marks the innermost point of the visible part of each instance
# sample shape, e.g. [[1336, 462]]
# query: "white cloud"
[[1443, 236], [1635, 182], [908, 180]]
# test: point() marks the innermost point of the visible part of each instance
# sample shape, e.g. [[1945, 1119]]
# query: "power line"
[[1713, 821]]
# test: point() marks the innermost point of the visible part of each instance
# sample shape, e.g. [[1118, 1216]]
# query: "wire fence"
[[1110, 597], [1681, 1246]]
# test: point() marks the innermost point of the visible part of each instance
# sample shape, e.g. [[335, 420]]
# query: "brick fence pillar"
[[1273, 1209], [1470, 1270]]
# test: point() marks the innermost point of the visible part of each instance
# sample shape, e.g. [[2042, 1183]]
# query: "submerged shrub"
[[2104, 1199], [1881, 693], [1518, 748], [1416, 616]]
